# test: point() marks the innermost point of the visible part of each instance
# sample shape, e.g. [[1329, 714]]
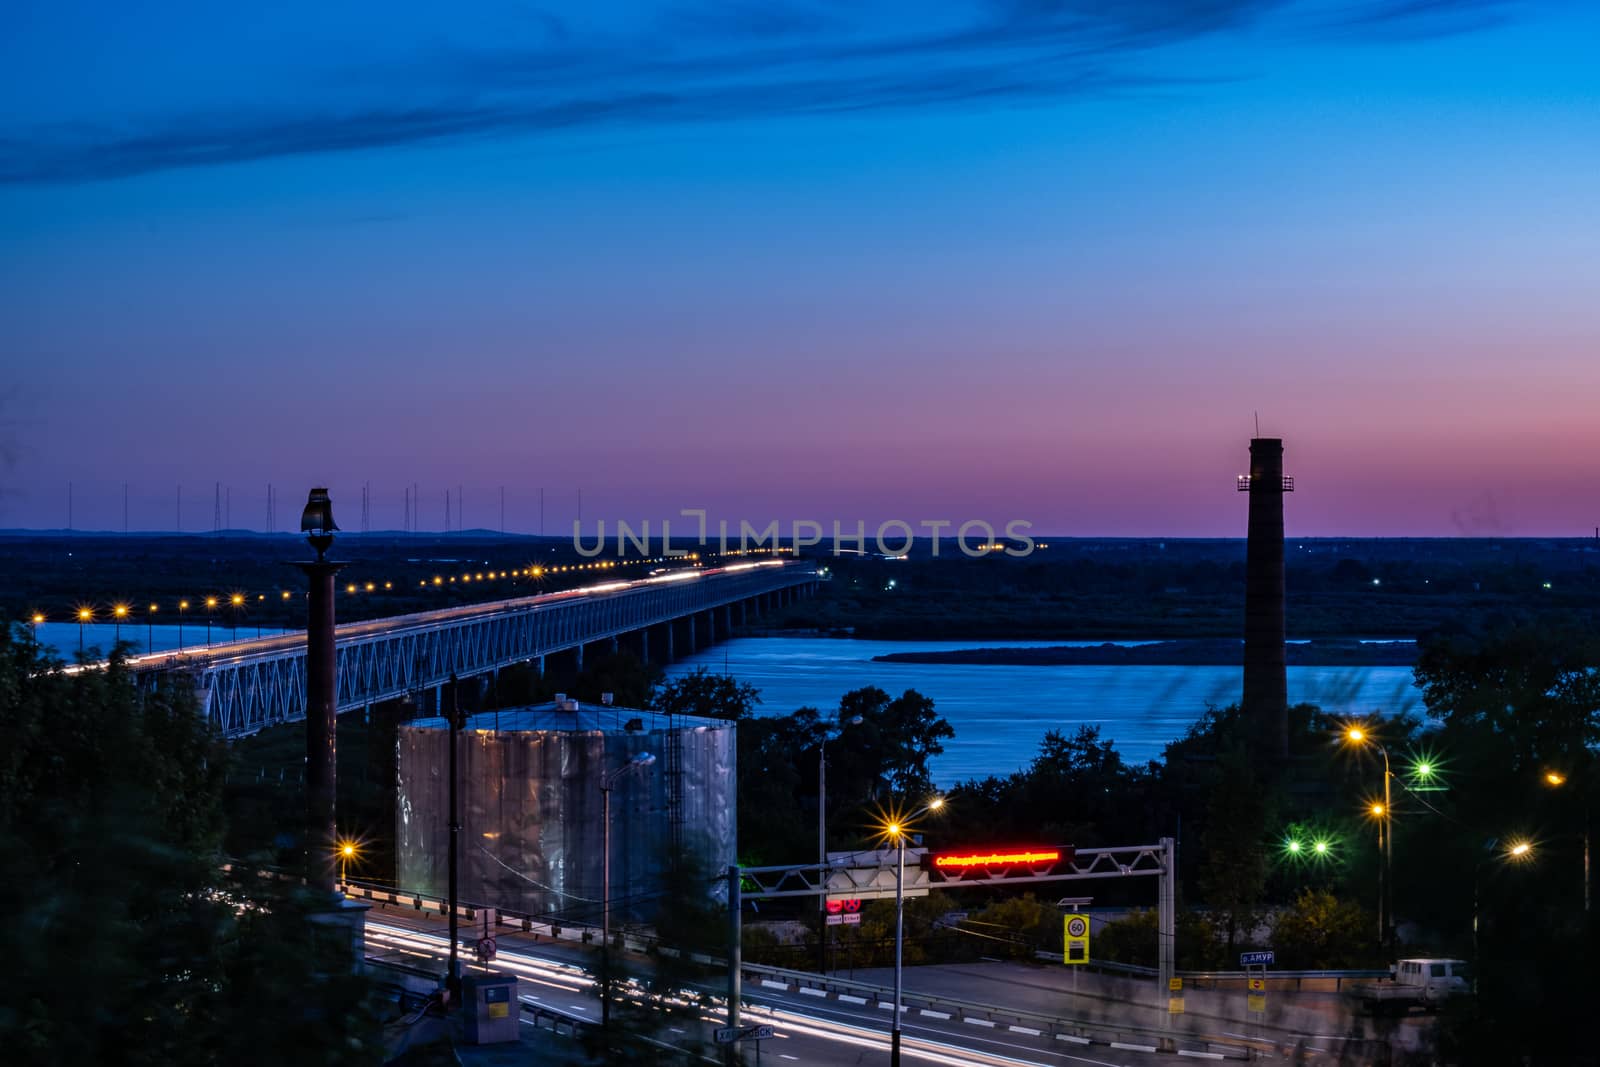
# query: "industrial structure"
[[536, 784], [1266, 684]]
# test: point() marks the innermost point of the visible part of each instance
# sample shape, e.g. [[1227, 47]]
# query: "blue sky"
[[808, 259]]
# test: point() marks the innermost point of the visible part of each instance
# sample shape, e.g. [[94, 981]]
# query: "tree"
[[124, 940], [1322, 931], [1233, 876], [713, 696]]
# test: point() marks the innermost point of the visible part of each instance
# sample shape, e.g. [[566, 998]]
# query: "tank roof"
[[574, 717]]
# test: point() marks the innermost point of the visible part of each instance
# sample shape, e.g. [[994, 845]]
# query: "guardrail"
[[1276, 980]]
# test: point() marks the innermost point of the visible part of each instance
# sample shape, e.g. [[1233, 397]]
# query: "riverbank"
[[1210, 653]]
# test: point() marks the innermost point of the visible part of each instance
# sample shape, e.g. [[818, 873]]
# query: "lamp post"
[[236, 601], [321, 693], [1516, 852], [1384, 813], [38, 620], [822, 835], [150, 629], [119, 612], [1555, 780], [607, 781], [211, 605], [183, 606], [897, 831], [84, 615]]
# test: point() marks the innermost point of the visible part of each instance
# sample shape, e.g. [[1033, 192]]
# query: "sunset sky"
[[804, 258]]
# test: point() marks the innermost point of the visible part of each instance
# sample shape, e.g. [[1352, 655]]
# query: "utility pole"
[[453, 975]]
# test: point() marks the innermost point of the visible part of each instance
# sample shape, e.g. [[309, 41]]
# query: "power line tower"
[[216, 507]]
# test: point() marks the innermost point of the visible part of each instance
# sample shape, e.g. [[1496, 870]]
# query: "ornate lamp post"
[[321, 693]]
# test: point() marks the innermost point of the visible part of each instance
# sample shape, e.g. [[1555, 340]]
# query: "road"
[[808, 1029]]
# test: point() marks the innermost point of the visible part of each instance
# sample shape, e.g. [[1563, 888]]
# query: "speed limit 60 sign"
[[1075, 938]]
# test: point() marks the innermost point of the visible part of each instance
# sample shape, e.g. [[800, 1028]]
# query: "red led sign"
[[998, 859]]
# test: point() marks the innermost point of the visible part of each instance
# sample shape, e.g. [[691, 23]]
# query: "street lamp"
[[211, 605], [38, 620], [119, 612], [236, 601], [84, 615], [1519, 851], [1555, 780], [347, 852], [896, 830], [822, 833], [607, 781], [1384, 813], [150, 629], [183, 606]]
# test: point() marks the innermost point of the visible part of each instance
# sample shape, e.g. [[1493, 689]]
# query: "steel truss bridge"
[[248, 685]]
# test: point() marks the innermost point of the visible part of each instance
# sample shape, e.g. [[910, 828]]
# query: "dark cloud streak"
[[723, 62]]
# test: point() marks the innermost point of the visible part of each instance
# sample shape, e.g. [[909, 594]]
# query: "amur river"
[[1000, 713]]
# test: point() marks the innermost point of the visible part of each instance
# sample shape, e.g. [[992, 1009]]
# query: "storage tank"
[[531, 803]]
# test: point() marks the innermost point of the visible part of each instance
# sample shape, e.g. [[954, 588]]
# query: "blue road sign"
[[1257, 959]]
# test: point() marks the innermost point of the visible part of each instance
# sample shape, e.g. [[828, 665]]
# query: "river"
[[1000, 713]]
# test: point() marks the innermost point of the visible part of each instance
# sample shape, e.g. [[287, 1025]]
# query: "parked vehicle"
[[1417, 983]]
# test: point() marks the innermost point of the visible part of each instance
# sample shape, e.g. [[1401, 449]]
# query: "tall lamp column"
[[321, 694]]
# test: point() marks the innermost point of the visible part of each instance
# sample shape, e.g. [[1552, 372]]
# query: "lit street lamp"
[[237, 603], [1384, 813], [347, 852], [896, 831], [211, 605], [1520, 851], [183, 606], [150, 629], [822, 833], [607, 781], [119, 612], [1555, 780], [84, 615]]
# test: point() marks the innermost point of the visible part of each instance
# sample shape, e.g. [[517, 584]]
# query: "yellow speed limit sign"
[[1075, 938]]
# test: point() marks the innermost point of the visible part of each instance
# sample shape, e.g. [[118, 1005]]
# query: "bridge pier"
[[579, 651], [613, 644], [670, 655], [538, 666], [711, 627], [644, 645]]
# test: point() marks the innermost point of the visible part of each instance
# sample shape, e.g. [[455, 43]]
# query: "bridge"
[[249, 685]]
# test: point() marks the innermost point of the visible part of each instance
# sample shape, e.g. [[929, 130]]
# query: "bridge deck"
[[247, 685]]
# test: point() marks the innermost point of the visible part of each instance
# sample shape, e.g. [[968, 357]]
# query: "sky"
[[1037, 260]]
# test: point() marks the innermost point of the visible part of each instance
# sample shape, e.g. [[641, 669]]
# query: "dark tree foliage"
[[124, 940], [714, 696]]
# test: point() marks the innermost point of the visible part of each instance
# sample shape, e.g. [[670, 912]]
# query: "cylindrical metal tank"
[[531, 805]]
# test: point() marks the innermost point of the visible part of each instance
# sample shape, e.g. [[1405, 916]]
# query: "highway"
[[808, 1030]]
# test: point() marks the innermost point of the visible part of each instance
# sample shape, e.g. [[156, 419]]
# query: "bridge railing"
[[263, 684]]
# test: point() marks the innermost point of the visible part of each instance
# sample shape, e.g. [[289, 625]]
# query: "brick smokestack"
[[1266, 687]]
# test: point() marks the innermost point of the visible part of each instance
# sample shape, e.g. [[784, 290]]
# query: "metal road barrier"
[[1313, 981]]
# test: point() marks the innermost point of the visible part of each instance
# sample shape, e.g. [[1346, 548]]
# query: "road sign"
[[1257, 985], [1075, 938], [1175, 985], [1256, 1002], [485, 948], [727, 1035], [1174, 1005], [871, 875], [1257, 959]]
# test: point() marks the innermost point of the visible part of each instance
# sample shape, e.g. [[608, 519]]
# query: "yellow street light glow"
[[85, 614], [893, 829], [1356, 734], [183, 605], [211, 601], [347, 849], [286, 594], [936, 803], [1520, 849], [1555, 778], [38, 617], [120, 611], [370, 587], [1377, 809], [154, 608], [351, 588], [238, 599]]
